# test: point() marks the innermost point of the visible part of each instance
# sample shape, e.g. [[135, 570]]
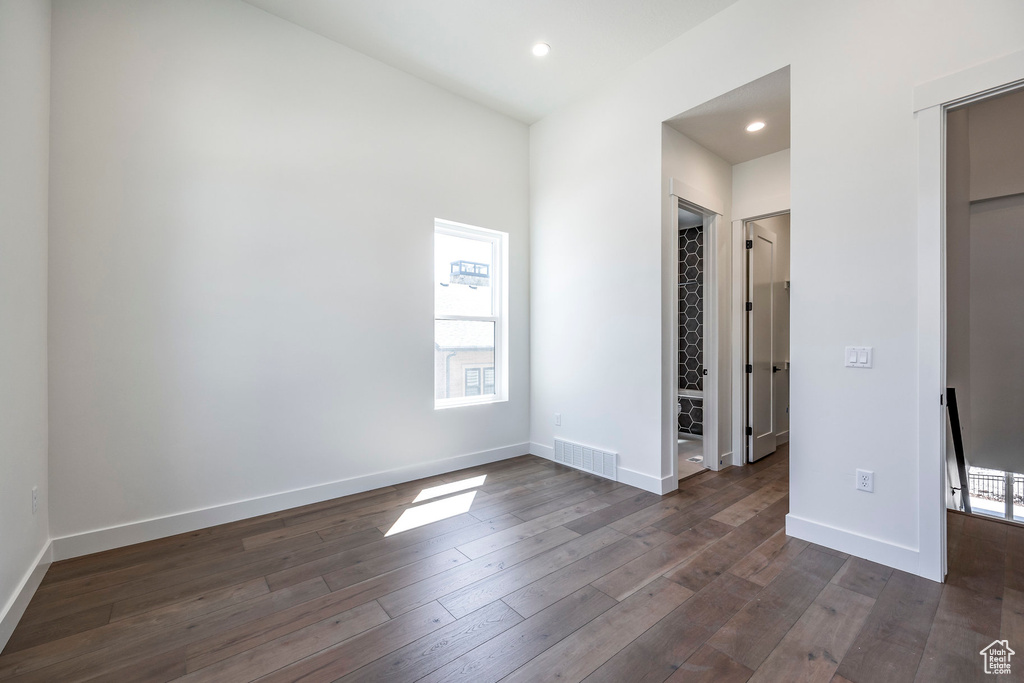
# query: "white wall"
[[24, 162], [241, 238], [996, 331], [595, 173], [761, 186], [997, 146]]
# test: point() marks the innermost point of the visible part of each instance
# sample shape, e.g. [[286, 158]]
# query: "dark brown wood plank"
[[662, 649], [502, 655], [89, 653], [720, 556], [813, 648], [548, 590], [892, 642], [46, 631], [765, 562], [480, 593], [614, 512], [708, 665], [434, 650], [348, 655], [451, 580], [577, 656], [751, 635], [637, 573], [865, 577]]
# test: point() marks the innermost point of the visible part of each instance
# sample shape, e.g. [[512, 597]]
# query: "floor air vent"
[[601, 463]]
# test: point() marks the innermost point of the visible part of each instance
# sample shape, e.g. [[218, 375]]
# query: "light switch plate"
[[859, 356]]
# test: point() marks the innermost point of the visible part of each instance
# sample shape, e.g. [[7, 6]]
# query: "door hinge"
[[942, 399], [750, 369], [750, 305], [750, 431], [750, 244]]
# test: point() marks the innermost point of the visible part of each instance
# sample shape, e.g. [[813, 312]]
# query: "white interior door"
[[762, 260]]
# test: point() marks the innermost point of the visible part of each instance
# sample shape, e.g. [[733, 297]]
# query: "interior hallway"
[[550, 572]]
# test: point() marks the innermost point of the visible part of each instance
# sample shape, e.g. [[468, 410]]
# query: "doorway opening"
[[714, 169], [984, 360], [691, 371], [766, 362]]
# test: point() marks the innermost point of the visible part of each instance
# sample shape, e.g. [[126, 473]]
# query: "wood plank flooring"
[[542, 573]]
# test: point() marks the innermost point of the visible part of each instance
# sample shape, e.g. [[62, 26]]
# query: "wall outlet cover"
[[865, 481]]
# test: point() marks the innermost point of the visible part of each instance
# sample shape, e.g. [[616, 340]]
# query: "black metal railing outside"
[[991, 486]]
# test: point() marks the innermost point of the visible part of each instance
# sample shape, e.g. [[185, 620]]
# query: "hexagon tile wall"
[[691, 327]]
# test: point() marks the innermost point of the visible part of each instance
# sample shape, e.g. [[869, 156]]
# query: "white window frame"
[[499, 305]]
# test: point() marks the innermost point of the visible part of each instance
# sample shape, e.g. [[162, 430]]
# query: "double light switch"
[[858, 356]]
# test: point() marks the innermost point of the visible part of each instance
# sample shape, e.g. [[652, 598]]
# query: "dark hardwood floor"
[[537, 573]]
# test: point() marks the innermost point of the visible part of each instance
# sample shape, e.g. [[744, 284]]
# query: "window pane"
[[463, 357], [988, 491], [462, 283]]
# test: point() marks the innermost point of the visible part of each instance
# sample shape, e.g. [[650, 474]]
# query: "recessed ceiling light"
[[541, 49], [755, 126]]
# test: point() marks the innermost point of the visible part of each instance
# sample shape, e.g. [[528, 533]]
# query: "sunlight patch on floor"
[[445, 489], [432, 512]]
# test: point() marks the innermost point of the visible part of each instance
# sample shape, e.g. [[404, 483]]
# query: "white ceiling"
[[720, 124], [480, 49]]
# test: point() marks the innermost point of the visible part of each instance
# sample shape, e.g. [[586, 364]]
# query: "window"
[[470, 335], [996, 493]]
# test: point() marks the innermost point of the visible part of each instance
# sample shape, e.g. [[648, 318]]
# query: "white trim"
[[16, 604], [739, 321], [693, 195], [782, 437], [931, 341], [874, 549], [1001, 73], [542, 451], [647, 482], [712, 376], [160, 527]]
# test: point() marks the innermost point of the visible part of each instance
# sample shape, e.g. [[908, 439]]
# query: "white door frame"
[[931, 102], [712, 209]]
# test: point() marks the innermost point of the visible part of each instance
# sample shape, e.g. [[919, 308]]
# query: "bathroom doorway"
[[691, 371]]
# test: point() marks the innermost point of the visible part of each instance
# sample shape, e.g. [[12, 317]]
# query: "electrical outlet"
[[558, 419], [866, 481], [35, 499]]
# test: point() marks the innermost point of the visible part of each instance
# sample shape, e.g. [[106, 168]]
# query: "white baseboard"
[[782, 437], [15, 607], [99, 540], [874, 549], [542, 451], [726, 460], [622, 475], [661, 485]]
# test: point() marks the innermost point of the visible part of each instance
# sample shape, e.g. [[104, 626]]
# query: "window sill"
[[445, 404]]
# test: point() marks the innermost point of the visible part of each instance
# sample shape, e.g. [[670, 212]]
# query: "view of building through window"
[[467, 314]]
